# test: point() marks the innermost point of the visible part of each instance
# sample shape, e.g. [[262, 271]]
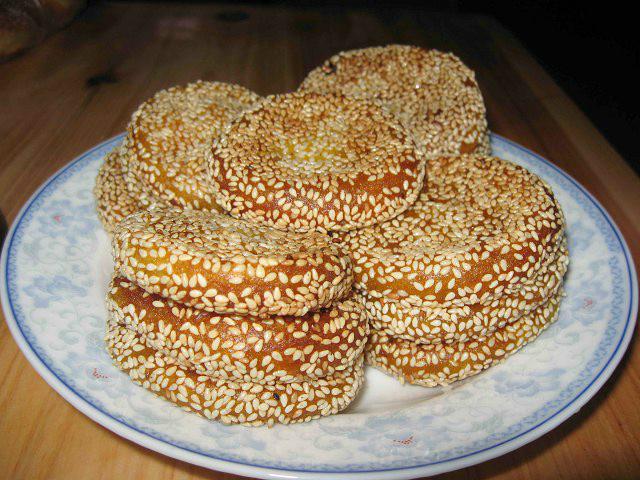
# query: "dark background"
[[591, 51]]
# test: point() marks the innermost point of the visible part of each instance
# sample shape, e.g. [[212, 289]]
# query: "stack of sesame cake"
[[266, 248], [234, 321], [466, 276]]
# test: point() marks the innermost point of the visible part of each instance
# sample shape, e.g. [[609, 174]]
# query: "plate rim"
[[146, 440]]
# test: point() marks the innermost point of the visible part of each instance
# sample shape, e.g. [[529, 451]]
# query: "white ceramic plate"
[[56, 266]]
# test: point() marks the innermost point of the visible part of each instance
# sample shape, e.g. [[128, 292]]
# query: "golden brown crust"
[[169, 134], [436, 324], [243, 348], [216, 263], [482, 228], [316, 162], [433, 93], [441, 364], [228, 401], [113, 200]]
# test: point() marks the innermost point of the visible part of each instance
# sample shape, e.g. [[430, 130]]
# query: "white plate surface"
[[56, 265]]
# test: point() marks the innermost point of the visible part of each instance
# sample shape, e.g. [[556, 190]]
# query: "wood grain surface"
[[79, 87]]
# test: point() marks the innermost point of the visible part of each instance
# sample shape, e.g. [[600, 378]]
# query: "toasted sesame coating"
[[482, 228], [316, 162], [244, 348], [217, 263], [228, 401], [168, 137], [441, 364], [436, 324], [113, 200], [433, 93]]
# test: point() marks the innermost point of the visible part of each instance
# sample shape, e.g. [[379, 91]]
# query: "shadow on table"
[[3, 229]]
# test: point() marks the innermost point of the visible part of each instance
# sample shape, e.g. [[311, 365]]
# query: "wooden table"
[[80, 86]]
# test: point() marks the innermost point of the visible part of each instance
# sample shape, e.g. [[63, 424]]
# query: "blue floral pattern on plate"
[[56, 265]]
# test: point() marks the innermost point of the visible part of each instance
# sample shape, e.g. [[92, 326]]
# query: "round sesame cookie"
[[113, 200], [433, 93], [244, 348], [316, 162], [231, 402], [217, 263], [435, 324], [441, 364], [483, 227], [169, 134]]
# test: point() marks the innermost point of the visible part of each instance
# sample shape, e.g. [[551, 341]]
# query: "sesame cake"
[[441, 364], [481, 228], [168, 136], [217, 263], [243, 348], [305, 161], [228, 401], [438, 324], [113, 200], [433, 93]]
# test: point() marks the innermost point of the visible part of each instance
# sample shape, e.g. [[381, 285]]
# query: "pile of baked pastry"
[[266, 248]]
